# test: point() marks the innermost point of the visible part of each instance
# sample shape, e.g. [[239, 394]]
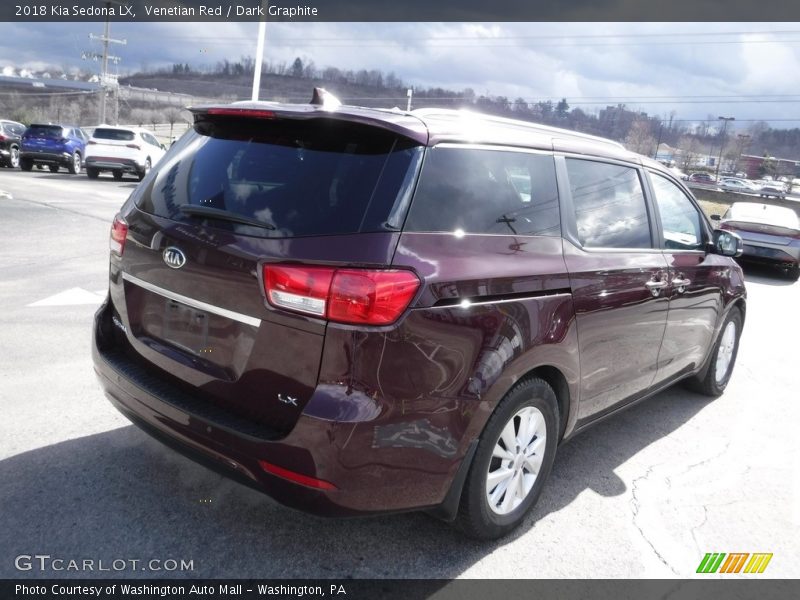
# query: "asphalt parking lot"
[[645, 494]]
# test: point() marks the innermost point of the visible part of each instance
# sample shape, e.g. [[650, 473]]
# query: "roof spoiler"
[[324, 99]]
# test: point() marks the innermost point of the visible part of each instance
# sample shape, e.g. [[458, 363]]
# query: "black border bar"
[[733, 588], [400, 10]]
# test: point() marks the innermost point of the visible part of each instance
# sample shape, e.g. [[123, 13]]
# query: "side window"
[[486, 191], [681, 223], [609, 205], [150, 139]]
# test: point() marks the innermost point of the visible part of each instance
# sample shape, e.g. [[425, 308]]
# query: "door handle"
[[655, 287], [680, 283]]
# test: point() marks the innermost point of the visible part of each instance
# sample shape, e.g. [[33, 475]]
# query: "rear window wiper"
[[223, 215]]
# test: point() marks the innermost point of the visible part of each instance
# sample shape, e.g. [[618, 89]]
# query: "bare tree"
[[174, 115], [689, 147], [640, 139]]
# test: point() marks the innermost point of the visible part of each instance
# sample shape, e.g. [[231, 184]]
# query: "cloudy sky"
[[746, 70]]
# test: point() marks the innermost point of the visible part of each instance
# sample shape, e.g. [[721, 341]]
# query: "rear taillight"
[[134, 146], [2, 138], [119, 233], [355, 296]]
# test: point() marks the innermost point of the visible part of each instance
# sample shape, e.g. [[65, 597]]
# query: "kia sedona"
[[120, 150], [361, 311]]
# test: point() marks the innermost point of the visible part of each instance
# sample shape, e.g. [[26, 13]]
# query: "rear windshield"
[[48, 131], [113, 134], [299, 178]]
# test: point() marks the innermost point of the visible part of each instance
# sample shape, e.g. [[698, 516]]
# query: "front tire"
[[512, 462], [793, 273], [92, 173], [723, 358], [53, 168], [117, 175], [26, 164]]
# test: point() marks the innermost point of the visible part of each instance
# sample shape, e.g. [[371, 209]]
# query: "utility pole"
[[722, 140], [105, 79]]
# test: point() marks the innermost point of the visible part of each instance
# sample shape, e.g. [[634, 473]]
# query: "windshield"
[[47, 131], [121, 135]]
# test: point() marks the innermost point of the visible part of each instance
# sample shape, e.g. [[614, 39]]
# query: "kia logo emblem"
[[174, 257]]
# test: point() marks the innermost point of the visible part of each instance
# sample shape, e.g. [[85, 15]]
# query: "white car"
[[122, 150]]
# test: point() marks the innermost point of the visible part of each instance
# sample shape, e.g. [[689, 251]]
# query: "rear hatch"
[[242, 191], [43, 138], [113, 143]]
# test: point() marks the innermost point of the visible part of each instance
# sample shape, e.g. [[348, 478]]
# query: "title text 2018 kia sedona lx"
[[360, 311]]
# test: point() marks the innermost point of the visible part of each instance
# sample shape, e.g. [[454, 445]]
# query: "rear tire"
[[793, 273], [53, 168], [512, 462], [143, 173], [117, 175], [723, 358], [26, 164], [92, 173], [75, 163], [13, 157]]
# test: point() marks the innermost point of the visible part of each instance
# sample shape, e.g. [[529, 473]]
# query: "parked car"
[[54, 146], [733, 184], [701, 178], [771, 234], [360, 311], [774, 189], [10, 135], [122, 150]]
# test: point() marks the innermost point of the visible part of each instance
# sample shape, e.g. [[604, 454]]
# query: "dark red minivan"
[[360, 311]]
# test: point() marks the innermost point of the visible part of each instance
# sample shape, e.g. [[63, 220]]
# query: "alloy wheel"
[[725, 353], [516, 460]]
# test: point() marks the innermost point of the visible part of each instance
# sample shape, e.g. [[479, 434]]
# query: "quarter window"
[[610, 209], [471, 190], [680, 222]]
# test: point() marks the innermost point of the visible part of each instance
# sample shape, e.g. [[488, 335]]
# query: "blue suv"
[[53, 145]]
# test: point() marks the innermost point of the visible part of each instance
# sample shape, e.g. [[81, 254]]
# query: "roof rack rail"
[[555, 131]]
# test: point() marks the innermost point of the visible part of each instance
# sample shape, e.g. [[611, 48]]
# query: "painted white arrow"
[[71, 297]]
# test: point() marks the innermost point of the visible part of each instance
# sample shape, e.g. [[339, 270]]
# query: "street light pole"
[[722, 140], [262, 32]]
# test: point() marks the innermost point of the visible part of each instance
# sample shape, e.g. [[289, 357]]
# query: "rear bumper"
[[785, 255], [108, 163], [56, 158], [329, 450]]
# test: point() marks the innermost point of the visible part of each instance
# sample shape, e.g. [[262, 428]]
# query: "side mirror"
[[716, 218], [163, 147], [727, 243]]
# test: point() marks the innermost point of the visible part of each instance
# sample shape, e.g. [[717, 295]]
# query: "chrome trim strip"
[[223, 312]]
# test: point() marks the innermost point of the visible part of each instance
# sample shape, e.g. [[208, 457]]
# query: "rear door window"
[[610, 209], [299, 178], [473, 190]]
